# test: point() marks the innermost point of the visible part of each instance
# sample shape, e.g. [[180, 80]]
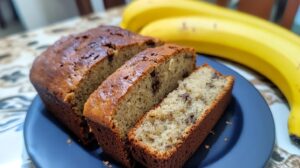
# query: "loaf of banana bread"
[[170, 133], [71, 69], [133, 89]]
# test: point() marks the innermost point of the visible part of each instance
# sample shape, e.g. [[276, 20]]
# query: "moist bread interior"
[[163, 127], [150, 91]]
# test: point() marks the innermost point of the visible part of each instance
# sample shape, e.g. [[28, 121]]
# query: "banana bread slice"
[[169, 134], [132, 90], [71, 69]]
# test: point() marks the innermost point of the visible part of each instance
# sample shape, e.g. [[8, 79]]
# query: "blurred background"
[[21, 15]]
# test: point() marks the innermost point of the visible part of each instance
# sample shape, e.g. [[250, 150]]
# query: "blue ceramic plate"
[[244, 137]]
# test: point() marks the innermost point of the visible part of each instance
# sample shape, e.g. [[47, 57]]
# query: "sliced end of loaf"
[[163, 131]]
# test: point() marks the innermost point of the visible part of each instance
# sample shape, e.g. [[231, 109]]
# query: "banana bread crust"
[[64, 113], [57, 73], [68, 61], [177, 156]]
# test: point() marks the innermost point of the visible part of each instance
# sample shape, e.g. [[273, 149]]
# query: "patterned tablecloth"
[[17, 53]]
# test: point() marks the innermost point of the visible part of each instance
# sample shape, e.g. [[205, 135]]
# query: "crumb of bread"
[[206, 146], [107, 164], [69, 141]]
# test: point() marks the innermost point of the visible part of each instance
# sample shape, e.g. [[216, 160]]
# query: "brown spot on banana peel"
[[215, 25], [184, 27]]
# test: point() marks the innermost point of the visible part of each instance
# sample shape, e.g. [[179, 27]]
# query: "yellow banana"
[[140, 13], [273, 56]]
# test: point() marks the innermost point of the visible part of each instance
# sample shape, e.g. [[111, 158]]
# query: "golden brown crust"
[[177, 156], [112, 144], [63, 65], [63, 112], [102, 104]]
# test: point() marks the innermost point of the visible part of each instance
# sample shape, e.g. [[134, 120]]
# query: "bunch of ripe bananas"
[[261, 45]]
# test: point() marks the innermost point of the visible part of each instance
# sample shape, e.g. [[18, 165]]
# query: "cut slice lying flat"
[[170, 133]]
